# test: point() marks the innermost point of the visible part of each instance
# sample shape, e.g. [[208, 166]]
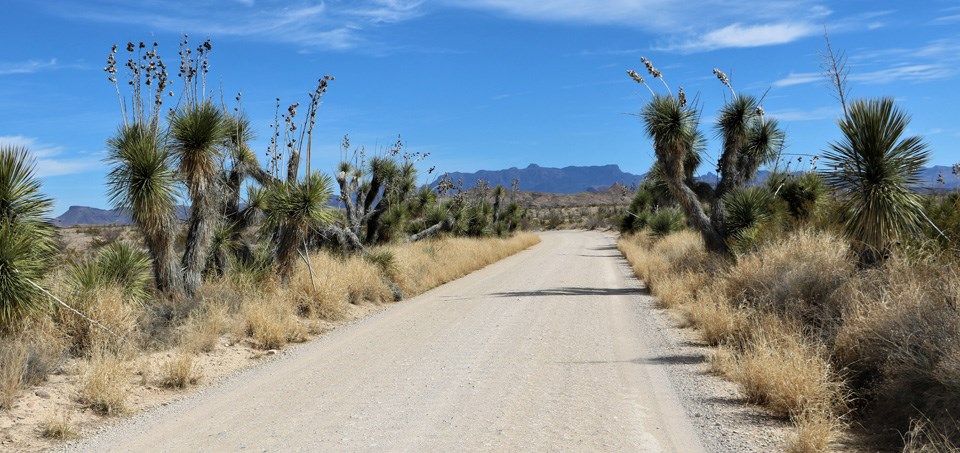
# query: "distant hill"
[[542, 180], [84, 215], [535, 178]]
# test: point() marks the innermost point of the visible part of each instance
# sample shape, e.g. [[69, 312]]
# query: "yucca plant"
[[198, 130], [664, 221], [142, 182], [292, 209], [874, 170], [745, 207], [27, 236], [119, 264], [748, 141]]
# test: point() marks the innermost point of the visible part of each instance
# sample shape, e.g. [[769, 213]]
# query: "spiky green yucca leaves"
[[119, 264], [746, 207], [292, 208], [665, 221], [873, 173], [801, 193], [749, 141], [142, 181], [27, 238]]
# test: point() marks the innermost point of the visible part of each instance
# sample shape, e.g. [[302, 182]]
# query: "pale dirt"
[[555, 348]]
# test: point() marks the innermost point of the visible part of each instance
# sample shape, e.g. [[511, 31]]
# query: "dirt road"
[[546, 350]]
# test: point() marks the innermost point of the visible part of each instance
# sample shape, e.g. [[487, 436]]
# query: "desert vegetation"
[[252, 268], [830, 294]]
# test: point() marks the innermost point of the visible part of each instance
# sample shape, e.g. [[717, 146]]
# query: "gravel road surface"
[[555, 348]]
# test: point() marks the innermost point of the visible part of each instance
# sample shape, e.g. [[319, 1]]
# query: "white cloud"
[[49, 158], [315, 25], [738, 35], [27, 67], [798, 78]]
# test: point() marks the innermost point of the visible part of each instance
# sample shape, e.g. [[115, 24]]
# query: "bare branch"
[[834, 69]]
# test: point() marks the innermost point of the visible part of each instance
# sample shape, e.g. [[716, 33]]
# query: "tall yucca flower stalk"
[[27, 236], [142, 181], [873, 173], [198, 130]]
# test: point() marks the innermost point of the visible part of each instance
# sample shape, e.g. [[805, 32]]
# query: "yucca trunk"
[[199, 236]]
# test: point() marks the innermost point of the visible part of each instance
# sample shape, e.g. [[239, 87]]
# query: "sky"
[[478, 84]]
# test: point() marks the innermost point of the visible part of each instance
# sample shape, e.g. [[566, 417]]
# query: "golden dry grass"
[[427, 264], [59, 427], [203, 329], [179, 372], [814, 431], [13, 369], [782, 370], [752, 309], [271, 323], [103, 386]]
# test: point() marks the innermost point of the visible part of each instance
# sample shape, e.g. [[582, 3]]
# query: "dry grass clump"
[[59, 427], [676, 290], [272, 323], [203, 329], [797, 277], [179, 372], [103, 384], [901, 341], [815, 430], [717, 320], [430, 263], [13, 370], [783, 371], [27, 357], [924, 437], [337, 281], [110, 308]]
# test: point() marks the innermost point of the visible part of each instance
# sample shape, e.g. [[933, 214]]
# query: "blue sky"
[[480, 84]]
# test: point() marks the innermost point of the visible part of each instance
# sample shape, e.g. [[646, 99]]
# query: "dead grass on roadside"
[[179, 372], [103, 384], [427, 264], [59, 426]]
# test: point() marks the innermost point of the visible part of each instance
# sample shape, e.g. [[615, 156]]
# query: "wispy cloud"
[[734, 23], [50, 159], [933, 61], [738, 36], [323, 25], [27, 67], [798, 78]]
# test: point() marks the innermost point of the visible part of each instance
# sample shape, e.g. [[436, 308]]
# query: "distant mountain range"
[[534, 178], [85, 215]]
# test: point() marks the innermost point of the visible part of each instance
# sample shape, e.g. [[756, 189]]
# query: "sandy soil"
[[556, 348]]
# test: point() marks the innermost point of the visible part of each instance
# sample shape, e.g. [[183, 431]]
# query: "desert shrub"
[[111, 309], [272, 323], [800, 192], [59, 427], [745, 208], [179, 372], [787, 373], [103, 384], [798, 277], [664, 221], [901, 342]]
